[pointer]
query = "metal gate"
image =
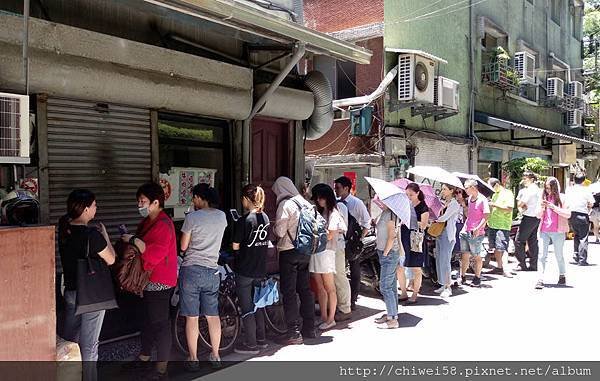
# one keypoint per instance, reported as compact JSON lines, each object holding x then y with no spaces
{"x":103,"y":147}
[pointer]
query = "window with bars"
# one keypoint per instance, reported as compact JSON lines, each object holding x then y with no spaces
{"x":14,"y":129}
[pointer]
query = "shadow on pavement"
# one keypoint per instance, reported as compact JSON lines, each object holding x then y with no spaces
{"x":426,"y":301}
{"x":407,"y":320}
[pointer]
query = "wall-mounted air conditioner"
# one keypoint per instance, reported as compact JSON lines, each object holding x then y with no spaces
{"x":445,"y":93}
{"x":525,"y":67}
{"x":555,"y":87}
{"x":415,"y":78}
{"x":574,"y":118}
{"x":575,"y":89}
{"x":14,"y":129}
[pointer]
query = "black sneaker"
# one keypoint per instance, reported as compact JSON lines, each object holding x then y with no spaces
{"x":353,"y":306}
{"x":291,"y":339}
{"x":562,"y":280}
{"x":244,"y":349}
{"x":463,"y":280}
{"x":476,"y":282}
{"x":497,"y":271}
{"x":262,"y":344}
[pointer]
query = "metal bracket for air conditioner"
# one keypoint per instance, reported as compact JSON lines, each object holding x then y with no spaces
{"x":426,"y":110}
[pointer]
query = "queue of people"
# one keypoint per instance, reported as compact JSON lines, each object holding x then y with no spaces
{"x":401,"y":249}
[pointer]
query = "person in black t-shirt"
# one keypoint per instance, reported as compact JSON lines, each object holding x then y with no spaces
{"x":250,"y":246}
{"x":76,"y":239}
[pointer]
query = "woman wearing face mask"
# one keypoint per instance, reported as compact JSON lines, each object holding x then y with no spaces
{"x":76,"y":240}
{"x":155,"y":238}
{"x":202,"y":234}
{"x":250,"y":244}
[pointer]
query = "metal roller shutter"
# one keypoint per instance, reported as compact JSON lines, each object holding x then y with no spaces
{"x":105,"y":148}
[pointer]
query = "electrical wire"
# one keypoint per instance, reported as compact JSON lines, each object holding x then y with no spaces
{"x":434,"y":14}
{"x":330,"y":144}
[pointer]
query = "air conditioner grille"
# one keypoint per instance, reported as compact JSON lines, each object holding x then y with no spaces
{"x":10,"y":127}
{"x":404,"y":77}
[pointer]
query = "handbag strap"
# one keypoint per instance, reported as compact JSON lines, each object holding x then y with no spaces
{"x":87,"y":254}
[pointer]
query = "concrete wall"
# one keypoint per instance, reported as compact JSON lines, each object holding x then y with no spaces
{"x":446,"y":34}
{"x":445,"y":37}
{"x":532,"y":24}
{"x":77,"y":63}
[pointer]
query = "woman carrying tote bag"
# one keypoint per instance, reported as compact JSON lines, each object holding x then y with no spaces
{"x":85,"y":254}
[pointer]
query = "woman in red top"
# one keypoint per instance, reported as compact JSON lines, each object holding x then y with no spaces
{"x":157,"y":242}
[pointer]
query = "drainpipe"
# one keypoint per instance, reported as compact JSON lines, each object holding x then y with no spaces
{"x":553,"y":56}
{"x":366,"y":99}
{"x":299,"y":50}
{"x":26,"y":45}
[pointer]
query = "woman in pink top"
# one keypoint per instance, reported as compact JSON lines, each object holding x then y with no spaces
{"x":554,"y":225}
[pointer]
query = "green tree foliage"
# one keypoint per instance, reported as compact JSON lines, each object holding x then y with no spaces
{"x":516,"y":167}
{"x":591,"y":38}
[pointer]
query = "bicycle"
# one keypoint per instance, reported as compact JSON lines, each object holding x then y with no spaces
{"x":229,"y":314}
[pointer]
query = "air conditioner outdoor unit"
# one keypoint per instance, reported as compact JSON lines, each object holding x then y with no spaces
{"x":14,"y":129}
{"x":555,"y":87}
{"x":445,"y":93}
{"x":415,"y":78}
{"x":575,"y":89}
{"x":525,"y":67}
{"x":574,"y":118}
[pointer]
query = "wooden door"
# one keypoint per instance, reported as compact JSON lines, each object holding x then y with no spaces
{"x":271,"y":157}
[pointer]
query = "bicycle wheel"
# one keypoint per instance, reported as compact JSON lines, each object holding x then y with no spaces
{"x":230,"y":328}
{"x":275,"y":318}
{"x":178,"y":330}
{"x":230,"y":325}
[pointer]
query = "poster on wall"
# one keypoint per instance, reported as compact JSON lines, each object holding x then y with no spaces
{"x":352,"y":177}
{"x":179,"y":183}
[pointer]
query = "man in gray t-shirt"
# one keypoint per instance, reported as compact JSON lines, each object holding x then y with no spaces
{"x":206,"y":228}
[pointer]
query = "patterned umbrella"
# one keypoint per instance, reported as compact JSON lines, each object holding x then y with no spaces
{"x":392,"y":197}
{"x":432,"y":201}
{"x":437,"y":174}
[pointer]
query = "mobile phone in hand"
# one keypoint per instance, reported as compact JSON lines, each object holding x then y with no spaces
{"x":123,"y":229}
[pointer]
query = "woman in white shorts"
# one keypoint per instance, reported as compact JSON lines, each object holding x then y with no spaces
{"x":322,"y":265}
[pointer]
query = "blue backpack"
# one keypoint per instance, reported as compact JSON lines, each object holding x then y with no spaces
{"x":311,"y":236}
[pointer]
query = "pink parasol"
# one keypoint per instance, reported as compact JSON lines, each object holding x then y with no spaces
{"x":432,"y":201}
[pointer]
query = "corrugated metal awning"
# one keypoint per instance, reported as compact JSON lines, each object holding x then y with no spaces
{"x":240,"y":15}
{"x":508,"y":125}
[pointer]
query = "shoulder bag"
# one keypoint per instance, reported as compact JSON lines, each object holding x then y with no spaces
{"x":128,"y":270}
{"x":95,"y":290}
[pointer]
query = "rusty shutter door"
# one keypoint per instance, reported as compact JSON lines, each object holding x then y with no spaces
{"x":105,"y":148}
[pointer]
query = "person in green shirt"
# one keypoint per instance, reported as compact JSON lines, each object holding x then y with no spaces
{"x":500,"y":223}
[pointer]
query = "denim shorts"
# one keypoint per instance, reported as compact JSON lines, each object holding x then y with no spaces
{"x":473,"y":245}
{"x":498,"y":239}
{"x":199,"y":291}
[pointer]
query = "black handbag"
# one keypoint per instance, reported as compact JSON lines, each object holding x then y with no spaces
{"x":95,"y":290}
